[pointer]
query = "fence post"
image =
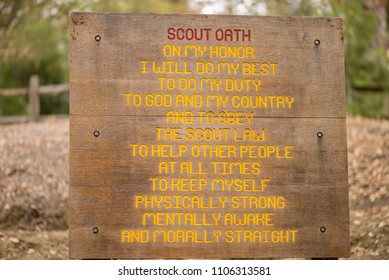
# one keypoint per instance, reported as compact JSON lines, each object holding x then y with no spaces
{"x":33,"y":98}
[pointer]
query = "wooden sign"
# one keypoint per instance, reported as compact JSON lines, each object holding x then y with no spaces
{"x":199,"y":136}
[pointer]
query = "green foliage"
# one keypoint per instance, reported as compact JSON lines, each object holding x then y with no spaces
{"x":36,"y":44}
{"x":367,"y":62}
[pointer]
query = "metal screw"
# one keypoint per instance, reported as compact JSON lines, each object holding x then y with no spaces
{"x":317,"y":42}
{"x":319,"y":134}
{"x":97,"y":38}
{"x":96,"y":133}
{"x":323,"y":229}
{"x":95,"y":230}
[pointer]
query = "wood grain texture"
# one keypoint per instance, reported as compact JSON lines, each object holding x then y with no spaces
{"x":293,"y":152}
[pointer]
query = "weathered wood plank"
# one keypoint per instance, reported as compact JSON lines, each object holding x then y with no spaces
{"x":305,"y":71}
{"x":312,"y":159}
{"x":312,"y":100}
{"x":302,"y":205}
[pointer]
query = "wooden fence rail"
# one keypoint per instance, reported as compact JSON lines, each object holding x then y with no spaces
{"x":33,"y":91}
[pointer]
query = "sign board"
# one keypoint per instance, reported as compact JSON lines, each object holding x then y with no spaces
{"x":199,"y":136}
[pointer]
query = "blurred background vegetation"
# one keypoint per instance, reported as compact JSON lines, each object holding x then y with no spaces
{"x":34,"y":40}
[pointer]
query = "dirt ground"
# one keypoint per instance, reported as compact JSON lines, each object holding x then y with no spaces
{"x":34,"y":165}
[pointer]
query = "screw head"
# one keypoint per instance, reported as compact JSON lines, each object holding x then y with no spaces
{"x":320,"y":134}
{"x":323,"y":229}
{"x":97,"y":38}
{"x":95,"y":230}
{"x":317,"y":42}
{"x":96,"y":133}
